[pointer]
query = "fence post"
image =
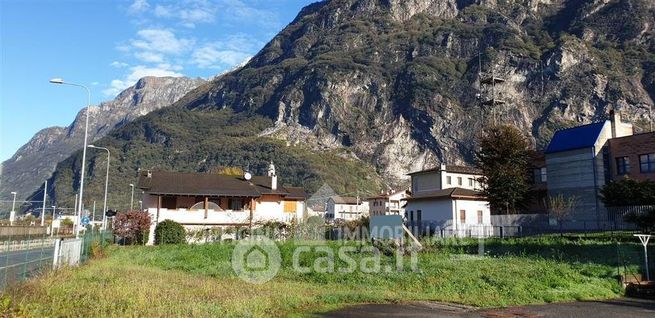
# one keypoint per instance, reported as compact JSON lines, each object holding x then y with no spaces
{"x":26,"y":251}
{"x":55,"y":258}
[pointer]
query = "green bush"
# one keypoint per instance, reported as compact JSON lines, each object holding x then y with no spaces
{"x":169,"y":232}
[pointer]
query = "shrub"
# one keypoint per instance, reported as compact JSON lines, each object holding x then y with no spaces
{"x":645,"y":221}
{"x":628,"y":192}
{"x":169,"y":232}
{"x":132,"y":226}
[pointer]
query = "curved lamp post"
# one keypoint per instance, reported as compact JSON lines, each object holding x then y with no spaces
{"x":86,"y":135}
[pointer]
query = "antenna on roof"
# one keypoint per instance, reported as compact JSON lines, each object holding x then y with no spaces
{"x":246,"y":174}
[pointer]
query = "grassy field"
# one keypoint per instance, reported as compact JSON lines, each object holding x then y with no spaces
{"x":199,"y":281}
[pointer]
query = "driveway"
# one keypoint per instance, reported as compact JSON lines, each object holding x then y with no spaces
{"x":625,"y":307}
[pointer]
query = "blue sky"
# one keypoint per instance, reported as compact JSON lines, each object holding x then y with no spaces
{"x":108,"y":45}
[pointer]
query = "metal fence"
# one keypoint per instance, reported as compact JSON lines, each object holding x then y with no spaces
{"x":29,"y":255}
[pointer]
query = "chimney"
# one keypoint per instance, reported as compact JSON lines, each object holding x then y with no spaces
{"x":619,"y":129}
{"x":273,"y":175}
{"x":615,"y":118}
{"x":271,"y":169}
{"x":442,"y":167}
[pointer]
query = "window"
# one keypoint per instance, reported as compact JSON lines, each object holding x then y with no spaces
{"x":471,"y":182}
{"x":480,"y":214}
{"x":540,"y":175}
{"x":462,"y":216}
{"x":419,"y":216}
{"x":449,"y":180}
{"x":647,"y":163}
{"x":622,"y":165}
{"x":459,"y":180}
{"x":236,"y":204}
{"x":290,"y":206}
{"x":411,"y":216}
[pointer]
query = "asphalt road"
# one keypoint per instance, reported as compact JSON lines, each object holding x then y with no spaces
{"x":626,"y":307}
{"x":17,"y":265}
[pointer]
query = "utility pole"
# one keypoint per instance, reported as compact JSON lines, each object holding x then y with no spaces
{"x":12,"y":214}
{"x":52,"y":223}
{"x":651,"y":118}
{"x":45,"y":195}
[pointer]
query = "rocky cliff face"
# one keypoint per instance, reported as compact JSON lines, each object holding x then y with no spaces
{"x":398,"y":86}
{"x":399,"y":82}
{"x":35,"y":161}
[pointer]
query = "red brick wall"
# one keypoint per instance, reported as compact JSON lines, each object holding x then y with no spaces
{"x":632,"y":147}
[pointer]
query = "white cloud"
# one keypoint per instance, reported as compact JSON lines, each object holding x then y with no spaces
{"x":189,"y":12}
{"x":237,"y":10}
{"x":210,"y":57}
{"x":161,"y":41}
{"x":139,"y":71}
{"x":150,"y":57}
{"x":163,"y":11}
{"x":118,"y":64}
{"x":138,"y":6}
{"x":228,"y":53}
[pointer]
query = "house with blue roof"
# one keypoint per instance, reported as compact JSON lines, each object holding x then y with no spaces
{"x":578,"y":164}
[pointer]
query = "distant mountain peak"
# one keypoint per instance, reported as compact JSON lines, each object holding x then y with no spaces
{"x":28,"y":167}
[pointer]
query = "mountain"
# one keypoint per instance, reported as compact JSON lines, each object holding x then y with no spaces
{"x":35,"y":161}
{"x":397,"y":86}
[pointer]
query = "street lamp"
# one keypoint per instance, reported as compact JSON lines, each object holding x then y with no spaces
{"x":132,"y":197}
{"x":12,"y":214}
{"x":104,"y":209}
{"x":86,"y":135}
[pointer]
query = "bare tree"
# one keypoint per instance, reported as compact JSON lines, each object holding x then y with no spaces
{"x":561,"y":208}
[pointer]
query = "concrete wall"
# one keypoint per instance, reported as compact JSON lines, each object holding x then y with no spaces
{"x":438,"y":212}
{"x":472,"y":207}
{"x":438,"y":180}
{"x":426,"y":182}
{"x":7,"y":231}
{"x":443,"y":211}
{"x":466,"y":181}
{"x":578,"y":173}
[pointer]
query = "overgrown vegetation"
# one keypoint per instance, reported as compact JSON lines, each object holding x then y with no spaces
{"x":197,"y":280}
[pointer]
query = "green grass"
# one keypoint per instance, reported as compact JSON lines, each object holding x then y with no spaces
{"x":198,"y":281}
